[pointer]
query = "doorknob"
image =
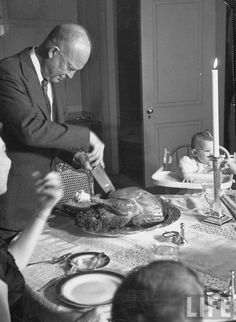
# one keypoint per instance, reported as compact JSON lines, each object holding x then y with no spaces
{"x":149,"y":111}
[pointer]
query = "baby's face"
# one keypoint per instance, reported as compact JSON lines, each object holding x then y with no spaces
{"x":203,"y":150}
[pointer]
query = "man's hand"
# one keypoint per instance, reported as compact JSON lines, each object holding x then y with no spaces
{"x":96,"y":154}
{"x":81,"y":159}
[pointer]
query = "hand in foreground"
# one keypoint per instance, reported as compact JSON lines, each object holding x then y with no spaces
{"x":49,"y":190}
{"x":100,"y":313}
{"x":96,"y":154}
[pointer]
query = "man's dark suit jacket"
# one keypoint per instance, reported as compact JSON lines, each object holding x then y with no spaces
{"x":31,"y":137}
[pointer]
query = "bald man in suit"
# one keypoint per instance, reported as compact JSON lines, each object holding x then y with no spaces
{"x":32,"y":111}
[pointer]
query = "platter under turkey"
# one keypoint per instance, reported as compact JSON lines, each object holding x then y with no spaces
{"x":123,"y":211}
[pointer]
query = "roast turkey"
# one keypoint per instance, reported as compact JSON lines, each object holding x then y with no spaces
{"x":130,"y":206}
{"x":150,"y":208}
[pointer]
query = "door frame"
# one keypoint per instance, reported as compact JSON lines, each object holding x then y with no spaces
{"x":98,"y":16}
{"x":110,"y":86}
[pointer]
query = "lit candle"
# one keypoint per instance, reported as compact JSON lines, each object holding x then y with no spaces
{"x":215,"y":109}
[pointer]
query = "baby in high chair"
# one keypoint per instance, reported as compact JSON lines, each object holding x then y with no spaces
{"x":199,"y":161}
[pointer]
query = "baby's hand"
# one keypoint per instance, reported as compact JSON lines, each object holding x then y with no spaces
{"x":188,"y":180}
{"x":49,"y":190}
{"x":185,"y":174}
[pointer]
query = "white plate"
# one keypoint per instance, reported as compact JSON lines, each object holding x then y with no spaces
{"x":171,"y":179}
{"x":89,"y":289}
{"x":83,"y":260}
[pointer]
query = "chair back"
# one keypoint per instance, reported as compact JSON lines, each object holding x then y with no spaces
{"x":171,"y":158}
{"x":74,"y":180}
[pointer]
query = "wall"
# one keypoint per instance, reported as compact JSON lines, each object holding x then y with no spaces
{"x":28,"y":22}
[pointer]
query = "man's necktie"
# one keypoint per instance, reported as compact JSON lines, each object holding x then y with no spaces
{"x":45,"y":92}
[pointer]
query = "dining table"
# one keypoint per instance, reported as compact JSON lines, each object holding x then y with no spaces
{"x":209,"y":249}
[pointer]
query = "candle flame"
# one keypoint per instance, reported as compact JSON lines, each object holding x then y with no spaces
{"x":215,"y":65}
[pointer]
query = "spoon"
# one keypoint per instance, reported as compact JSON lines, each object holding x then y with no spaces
{"x":54,"y":260}
{"x":94,"y":261}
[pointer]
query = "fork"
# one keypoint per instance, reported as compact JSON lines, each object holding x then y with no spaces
{"x":54,"y":260}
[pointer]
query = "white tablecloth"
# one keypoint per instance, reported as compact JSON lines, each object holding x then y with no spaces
{"x":210,"y":250}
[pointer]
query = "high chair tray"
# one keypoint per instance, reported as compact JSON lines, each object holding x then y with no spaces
{"x":171,"y":179}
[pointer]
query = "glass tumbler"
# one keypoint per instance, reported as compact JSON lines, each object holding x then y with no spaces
{"x":208,"y":193}
{"x":166,"y":251}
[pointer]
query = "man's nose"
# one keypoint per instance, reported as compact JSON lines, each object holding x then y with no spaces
{"x":70,"y":74}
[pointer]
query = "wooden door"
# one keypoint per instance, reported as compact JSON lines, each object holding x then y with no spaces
{"x":178,"y":41}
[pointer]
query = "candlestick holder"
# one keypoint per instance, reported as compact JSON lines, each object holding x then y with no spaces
{"x":217,"y":216}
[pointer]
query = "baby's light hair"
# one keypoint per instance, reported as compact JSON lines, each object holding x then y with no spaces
{"x":199,"y":137}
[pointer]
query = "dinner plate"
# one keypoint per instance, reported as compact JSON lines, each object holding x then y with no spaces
{"x":171,"y":214}
{"x":89,"y":289}
{"x":83,"y":260}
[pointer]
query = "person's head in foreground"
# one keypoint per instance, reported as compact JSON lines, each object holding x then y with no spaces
{"x":202,"y":146}
{"x":65,"y":50}
{"x":157,"y":292}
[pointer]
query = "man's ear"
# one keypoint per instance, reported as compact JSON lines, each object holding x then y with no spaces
{"x":52,"y":51}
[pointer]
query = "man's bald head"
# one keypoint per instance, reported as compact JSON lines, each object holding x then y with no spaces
{"x":65,"y":50}
{"x":67,"y":34}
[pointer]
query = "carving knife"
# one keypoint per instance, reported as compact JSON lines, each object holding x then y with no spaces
{"x":102,"y":178}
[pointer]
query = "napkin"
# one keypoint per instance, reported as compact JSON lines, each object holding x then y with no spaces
{"x":229,"y":200}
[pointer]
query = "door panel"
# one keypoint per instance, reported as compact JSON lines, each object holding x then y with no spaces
{"x":178,"y":49}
